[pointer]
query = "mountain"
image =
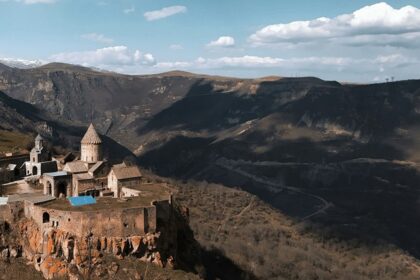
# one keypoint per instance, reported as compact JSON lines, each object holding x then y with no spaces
{"x":21,"y":63}
{"x":341,"y":157}
{"x":20,"y":121}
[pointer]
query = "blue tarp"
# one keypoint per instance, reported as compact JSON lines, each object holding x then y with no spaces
{"x":82,"y":200}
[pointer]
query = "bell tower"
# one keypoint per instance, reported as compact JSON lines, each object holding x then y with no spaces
{"x":91,"y":146}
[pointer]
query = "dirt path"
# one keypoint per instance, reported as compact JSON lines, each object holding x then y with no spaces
{"x":274,"y":187}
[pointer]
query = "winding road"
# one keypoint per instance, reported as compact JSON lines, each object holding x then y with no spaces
{"x":276,"y":188}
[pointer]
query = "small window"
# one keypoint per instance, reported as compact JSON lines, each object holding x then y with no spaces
{"x":45,"y":217}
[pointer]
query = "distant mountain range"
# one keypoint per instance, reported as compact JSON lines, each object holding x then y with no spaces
{"x":21,"y":63}
{"x":356,"y":146}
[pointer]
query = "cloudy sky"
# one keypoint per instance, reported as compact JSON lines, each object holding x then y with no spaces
{"x":358,"y":41}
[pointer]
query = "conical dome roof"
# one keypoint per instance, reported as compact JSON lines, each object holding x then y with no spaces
{"x":91,"y":136}
{"x":38,"y":138}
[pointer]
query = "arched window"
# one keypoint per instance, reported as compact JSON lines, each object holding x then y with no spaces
{"x":49,"y":188}
{"x":45,"y":217}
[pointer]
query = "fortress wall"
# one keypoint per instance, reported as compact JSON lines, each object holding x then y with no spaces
{"x":163,"y":212}
{"x":150,"y":218}
{"x":11,"y":212}
{"x":109,"y":222}
{"x":5,"y":213}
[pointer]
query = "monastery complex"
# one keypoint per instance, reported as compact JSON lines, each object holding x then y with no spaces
{"x":88,"y":194}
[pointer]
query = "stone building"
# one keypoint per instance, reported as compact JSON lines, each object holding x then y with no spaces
{"x":91,"y":148}
{"x":123,"y":176}
{"x":39,"y":160}
{"x":92,"y":175}
{"x":57,"y":184}
{"x":89,"y":173}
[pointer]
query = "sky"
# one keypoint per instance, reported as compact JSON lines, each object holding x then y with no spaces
{"x":354,"y":41}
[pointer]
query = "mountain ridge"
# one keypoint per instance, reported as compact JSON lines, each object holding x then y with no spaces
{"x":344,"y":158}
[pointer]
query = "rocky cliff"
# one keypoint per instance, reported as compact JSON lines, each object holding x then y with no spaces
{"x":59,"y":254}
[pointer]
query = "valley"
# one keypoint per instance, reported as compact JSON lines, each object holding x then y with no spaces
{"x":307,"y":170}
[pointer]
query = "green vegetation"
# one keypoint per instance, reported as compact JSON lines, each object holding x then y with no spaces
{"x":14,"y":141}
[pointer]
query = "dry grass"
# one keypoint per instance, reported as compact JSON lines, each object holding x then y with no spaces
{"x":13,"y":141}
{"x":272,"y":246}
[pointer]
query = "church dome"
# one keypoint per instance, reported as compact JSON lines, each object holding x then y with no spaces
{"x":91,"y":136}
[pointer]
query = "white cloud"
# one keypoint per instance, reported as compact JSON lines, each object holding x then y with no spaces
{"x":239,"y":61}
{"x":106,"y":58}
{"x":164,"y":12}
{"x":145,"y":59}
{"x":174,"y":65}
{"x":223,"y":41}
{"x":95,"y":37}
{"x":129,"y":10}
{"x":176,"y":47}
{"x":310,"y":64}
{"x":364,"y":26}
{"x":123,"y":60}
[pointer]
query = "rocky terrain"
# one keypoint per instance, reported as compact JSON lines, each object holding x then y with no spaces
{"x":58,"y":254}
{"x":340,"y":158}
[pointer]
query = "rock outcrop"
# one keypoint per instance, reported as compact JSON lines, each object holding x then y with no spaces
{"x":56,"y":253}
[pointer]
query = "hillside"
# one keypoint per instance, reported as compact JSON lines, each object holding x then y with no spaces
{"x":20,"y":122}
{"x":338,"y":158}
{"x":274,"y":246}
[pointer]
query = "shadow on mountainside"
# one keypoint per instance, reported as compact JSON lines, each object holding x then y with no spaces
{"x":356,"y":167}
{"x":203,"y":107}
{"x":371,"y":200}
{"x":70,"y":136}
{"x":210,"y":264}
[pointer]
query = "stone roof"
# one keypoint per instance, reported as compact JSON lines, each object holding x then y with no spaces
{"x":91,"y":136}
{"x":76,"y":167}
{"x":126,"y":172}
{"x":96,"y":166}
{"x":84,"y":176}
{"x":38,"y":138}
{"x":57,"y":174}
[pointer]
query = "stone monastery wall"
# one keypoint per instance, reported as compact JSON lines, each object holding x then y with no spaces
{"x":11,"y":212}
{"x":111,"y":222}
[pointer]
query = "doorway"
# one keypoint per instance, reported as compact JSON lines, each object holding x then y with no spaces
{"x":62,"y":189}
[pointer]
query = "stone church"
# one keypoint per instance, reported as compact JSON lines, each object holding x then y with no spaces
{"x":91,"y":174}
{"x":40,"y":160}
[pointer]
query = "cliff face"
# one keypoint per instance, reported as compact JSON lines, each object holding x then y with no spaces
{"x":57,"y":253}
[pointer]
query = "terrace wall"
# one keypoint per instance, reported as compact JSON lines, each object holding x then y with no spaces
{"x":108,"y":222}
